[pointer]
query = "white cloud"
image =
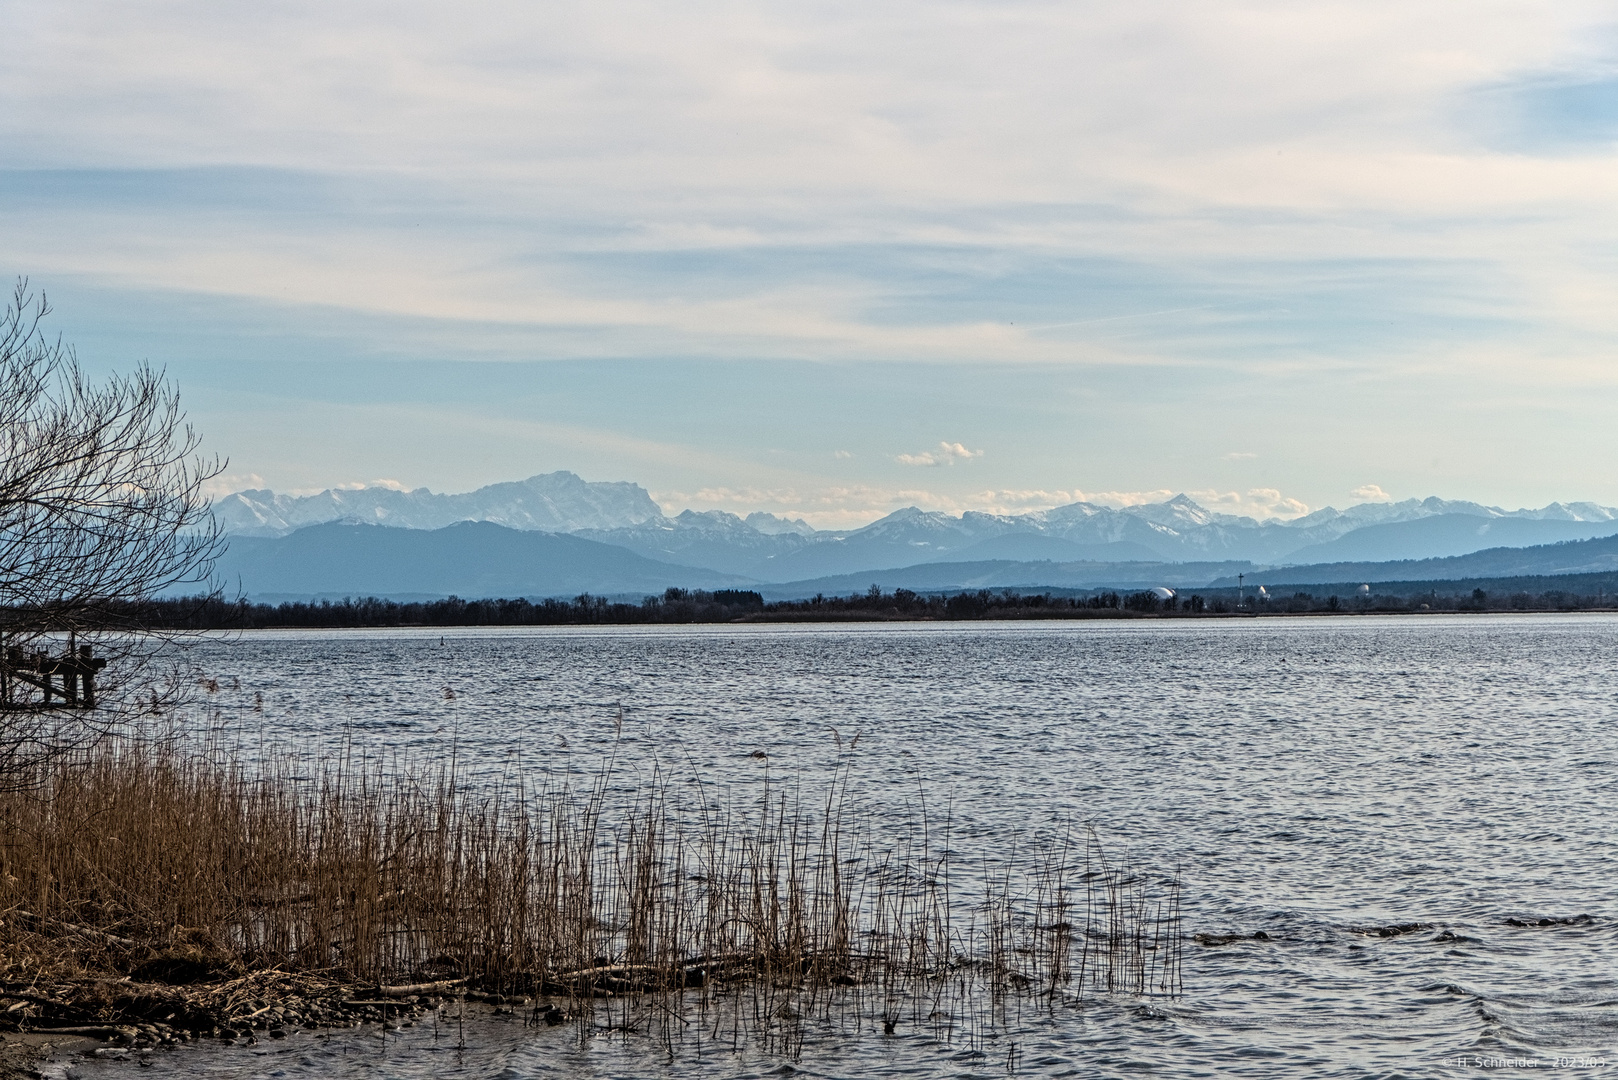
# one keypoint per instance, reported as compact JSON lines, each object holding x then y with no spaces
{"x":1119,"y":499}
{"x":837,"y":506}
{"x":947,"y":453}
{"x":1239,"y":455}
{"x":1260,"y":503}
{"x":832,"y":507}
{"x":1371,"y":493}
{"x":1017,"y":501}
{"x":229,"y":483}
{"x":357,"y":485}
{"x":851,"y":506}
{"x":842,"y":455}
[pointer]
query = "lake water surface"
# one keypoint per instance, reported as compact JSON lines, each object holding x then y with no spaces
{"x":1311,"y":777}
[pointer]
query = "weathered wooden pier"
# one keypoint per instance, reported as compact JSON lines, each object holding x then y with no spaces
{"x":63,"y":682}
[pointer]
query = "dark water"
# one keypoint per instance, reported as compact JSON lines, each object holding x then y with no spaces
{"x":1311,"y":777}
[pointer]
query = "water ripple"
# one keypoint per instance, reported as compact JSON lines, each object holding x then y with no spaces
{"x":1319,"y":780}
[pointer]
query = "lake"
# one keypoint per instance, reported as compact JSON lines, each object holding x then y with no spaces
{"x":1311,"y":778}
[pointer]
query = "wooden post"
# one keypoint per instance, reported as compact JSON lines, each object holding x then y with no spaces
{"x":87,"y":672}
{"x":70,"y":671}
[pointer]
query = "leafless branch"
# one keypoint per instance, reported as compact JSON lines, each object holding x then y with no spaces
{"x":101,"y":507}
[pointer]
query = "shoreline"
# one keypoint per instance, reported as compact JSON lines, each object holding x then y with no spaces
{"x":25,"y":1054}
{"x":869,"y":620}
{"x":22,"y":1053}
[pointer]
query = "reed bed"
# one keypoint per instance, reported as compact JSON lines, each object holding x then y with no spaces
{"x":667,"y":909}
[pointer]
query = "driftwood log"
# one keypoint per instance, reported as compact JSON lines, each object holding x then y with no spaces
{"x":443,"y":986}
{"x":638,"y":978}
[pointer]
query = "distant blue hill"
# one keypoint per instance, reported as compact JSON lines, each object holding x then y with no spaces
{"x":1005,"y":574}
{"x":1035,"y":547}
{"x":469,"y":559}
{"x":1571,"y":557}
{"x":1445,"y":535}
{"x":1594,"y":556}
{"x":483,"y":559}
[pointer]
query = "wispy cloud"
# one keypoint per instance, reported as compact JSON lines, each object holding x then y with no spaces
{"x":804,"y":129}
{"x":1020,"y":500}
{"x":1259,"y":503}
{"x":947,"y":453}
{"x":359,"y":485}
{"x":831,"y":507}
{"x":823,"y":183}
{"x":1119,"y":499}
{"x":851,"y":506}
{"x":1371,"y":493}
{"x":228,"y":483}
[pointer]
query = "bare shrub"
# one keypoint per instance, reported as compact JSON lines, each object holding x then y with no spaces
{"x":101,"y":509}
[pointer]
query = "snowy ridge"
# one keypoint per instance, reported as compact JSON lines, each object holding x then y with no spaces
{"x":764,"y":547}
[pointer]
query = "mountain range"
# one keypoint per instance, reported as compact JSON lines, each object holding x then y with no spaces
{"x":556,"y":533}
{"x":468,"y":558}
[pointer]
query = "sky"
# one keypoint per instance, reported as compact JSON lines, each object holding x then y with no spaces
{"x":830,"y":259}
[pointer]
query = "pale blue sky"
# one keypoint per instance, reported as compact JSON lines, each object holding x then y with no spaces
{"x":762,"y":256}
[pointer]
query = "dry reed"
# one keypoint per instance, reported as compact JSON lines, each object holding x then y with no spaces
{"x":724,"y":922}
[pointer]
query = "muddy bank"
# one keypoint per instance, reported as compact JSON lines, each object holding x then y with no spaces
{"x":23,"y":1054}
{"x":45,"y":1024}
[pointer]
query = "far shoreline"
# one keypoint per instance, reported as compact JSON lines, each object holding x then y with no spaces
{"x":872,"y":621}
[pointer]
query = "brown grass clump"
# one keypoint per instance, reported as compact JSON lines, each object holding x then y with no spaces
{"x":154,"y":863}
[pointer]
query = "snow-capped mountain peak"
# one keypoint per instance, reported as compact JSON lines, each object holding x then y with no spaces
{"x":771,"y":548}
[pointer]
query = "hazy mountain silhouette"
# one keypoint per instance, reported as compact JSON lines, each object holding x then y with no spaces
{"x":1598,"y":555}
{"x":468,"y":559}
{"x":1446,"y":535}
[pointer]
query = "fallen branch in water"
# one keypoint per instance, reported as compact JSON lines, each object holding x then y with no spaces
{"x":418,"y":989}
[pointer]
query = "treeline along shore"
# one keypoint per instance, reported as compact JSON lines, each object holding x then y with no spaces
{"x":1595,"y":592}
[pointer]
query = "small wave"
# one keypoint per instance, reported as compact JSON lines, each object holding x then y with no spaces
{"x":1573,"y":920}
{"x":1451,"y":989}
{"x":1391,"y":930}
{"x":1216,"y":940}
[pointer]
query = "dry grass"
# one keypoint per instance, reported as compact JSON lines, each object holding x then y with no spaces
{"x":160,"y":859}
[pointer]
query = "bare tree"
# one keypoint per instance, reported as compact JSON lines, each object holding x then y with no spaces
{"x":101,"y":508}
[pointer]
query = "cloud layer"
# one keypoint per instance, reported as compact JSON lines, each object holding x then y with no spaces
{"x":1107,"y":240}
{"x":851,"y":507}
